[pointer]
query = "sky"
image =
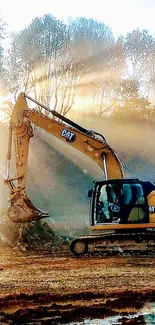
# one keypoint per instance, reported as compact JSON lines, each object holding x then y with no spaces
{"x":121,"y":15}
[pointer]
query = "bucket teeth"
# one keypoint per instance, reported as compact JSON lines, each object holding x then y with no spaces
{"x":23,"y":210}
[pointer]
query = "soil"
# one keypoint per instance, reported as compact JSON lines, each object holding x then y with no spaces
{"x":52,"y":288}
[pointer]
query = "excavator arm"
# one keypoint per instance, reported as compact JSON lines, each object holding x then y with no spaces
{"x":88,"y":142}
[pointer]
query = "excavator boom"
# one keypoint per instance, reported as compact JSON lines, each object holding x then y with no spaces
{"x":123,"y":207}
{"x":88,"y":142}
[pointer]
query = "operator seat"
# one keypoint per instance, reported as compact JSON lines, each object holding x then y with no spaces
{"x":127,"y":194}
{"x":137,"y":213}
{"x":126,"y":203}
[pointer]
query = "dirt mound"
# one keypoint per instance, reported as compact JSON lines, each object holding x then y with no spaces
{"x":38,"y":236}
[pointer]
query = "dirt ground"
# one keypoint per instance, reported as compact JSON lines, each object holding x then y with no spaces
{"x":44,"y":288}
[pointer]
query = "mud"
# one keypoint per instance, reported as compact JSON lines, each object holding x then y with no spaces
{"x":44,"y":287}
{"x":59,"y":288}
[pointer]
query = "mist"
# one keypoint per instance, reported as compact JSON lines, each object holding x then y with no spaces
{"x":65,"y":174}
{"x":59,"y":176}
{"x":133,"y":141}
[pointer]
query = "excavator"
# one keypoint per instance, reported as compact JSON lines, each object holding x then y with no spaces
{"x":121,"y":210}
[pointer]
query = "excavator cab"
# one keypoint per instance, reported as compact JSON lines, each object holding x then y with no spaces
{"x":120,"y":201}
{"x":117,"y":204}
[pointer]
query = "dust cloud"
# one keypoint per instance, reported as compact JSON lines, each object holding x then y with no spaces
{"x":59,"y":176}
{"x":63,"y":175}
{"x":55,"y":184}
{"x":134,"y":142}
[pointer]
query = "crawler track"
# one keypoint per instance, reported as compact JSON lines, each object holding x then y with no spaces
{"x":116,"y":243}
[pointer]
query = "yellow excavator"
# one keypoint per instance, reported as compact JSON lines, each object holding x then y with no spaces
{"x":120,"y":209}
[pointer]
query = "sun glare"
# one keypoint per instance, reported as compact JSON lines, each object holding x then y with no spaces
{"x":82,"y":103}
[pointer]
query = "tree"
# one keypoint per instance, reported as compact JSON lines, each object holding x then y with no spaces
{"x":139,"y":51}
{"x":43,"y":61}
{"x":100,"y":61}
{"x":55,"y":63}
{"x":131,"y":106}
{"x":2,"y":70}
{"x":32,"y":49}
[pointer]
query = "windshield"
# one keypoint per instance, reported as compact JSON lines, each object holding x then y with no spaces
{"x":120,"y":203}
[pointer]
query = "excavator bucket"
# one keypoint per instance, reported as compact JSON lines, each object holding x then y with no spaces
{"x":23,"y":210}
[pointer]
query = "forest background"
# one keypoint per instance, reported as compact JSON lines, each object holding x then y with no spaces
{"x":82,"y":71}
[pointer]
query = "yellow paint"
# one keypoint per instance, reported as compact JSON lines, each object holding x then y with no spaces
{"x":21,"y":120}
{"x":123,"y":226}
{"x":151,"y":203}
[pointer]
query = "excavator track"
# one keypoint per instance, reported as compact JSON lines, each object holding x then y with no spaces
{"x":115,"y":244}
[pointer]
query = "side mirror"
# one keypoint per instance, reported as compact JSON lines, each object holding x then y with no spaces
{"x":90,"y":192}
